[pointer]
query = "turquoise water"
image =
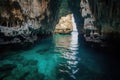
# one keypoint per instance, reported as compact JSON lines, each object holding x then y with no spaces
{"x":60,"y":57}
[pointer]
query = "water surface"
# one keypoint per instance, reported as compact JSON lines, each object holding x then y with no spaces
{"x":59,"y":57}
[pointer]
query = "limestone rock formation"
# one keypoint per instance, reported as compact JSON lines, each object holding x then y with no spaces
{"x":91,"y":33}
{"x":65,"y":25}
{"x":107,"y":14}
{"x":23,"y":20}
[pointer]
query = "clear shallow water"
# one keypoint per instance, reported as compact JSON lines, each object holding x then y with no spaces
{"x":61,"y":57}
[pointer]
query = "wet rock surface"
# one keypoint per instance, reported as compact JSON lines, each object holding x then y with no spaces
{"x":107,"y":15}
{"x":23,"y":21}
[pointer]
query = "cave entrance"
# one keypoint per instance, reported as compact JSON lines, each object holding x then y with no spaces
{"x":76,"y":11}
{"x":67,"y":11}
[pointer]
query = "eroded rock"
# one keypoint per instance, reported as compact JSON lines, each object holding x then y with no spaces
{"x":26,"y":19}
{"x":65,"y":25}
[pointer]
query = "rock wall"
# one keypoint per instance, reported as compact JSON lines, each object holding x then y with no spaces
{"x":65,"y":25}
{"x":23,"y":21}
{"x":107,"y":14}
{"x":76,"y":10}
{"x":91,"y":33}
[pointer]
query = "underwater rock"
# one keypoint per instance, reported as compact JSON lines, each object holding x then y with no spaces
{"x":24,"y":76}
{"x":19,"y":68}
{"x":42,"y":51}
{"x":7,"y":67}
{"x":29,"y":63}
{"x":61,"y":79}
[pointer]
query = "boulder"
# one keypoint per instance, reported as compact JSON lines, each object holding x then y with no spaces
{"x":65,"y":25}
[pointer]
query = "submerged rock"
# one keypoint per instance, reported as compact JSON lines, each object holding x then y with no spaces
{"x":7,"y":67}
{"x":19,"y":68}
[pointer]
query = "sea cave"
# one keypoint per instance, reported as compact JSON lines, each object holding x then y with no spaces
{"x":59,"y":39}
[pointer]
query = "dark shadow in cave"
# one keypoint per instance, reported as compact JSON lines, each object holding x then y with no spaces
{"x":75,"y":8}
